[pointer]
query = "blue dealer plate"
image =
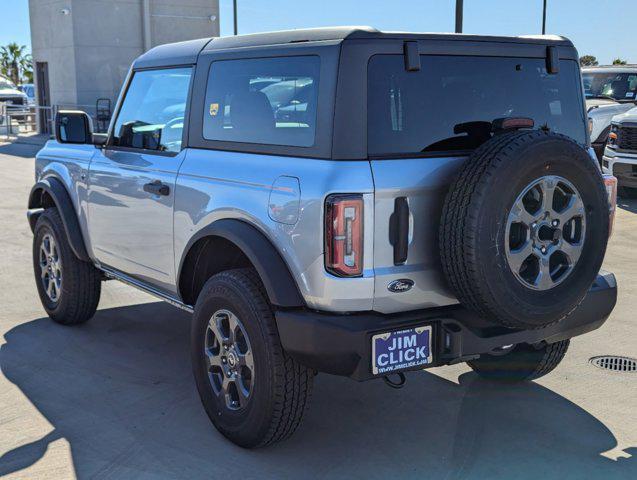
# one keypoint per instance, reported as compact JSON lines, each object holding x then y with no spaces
{"x":401,"y":349}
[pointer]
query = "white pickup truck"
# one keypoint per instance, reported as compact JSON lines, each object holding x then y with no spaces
{"x":610,"y":91}
{"x":620,"y":155}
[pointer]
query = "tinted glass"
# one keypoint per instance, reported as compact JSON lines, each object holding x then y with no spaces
{"x":267,"y":100}
{"x":152,"y":115}
{"x":450,"y":102}
{"x":619,"y":86}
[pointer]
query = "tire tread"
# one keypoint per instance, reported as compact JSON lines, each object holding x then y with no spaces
{"x":82,"y":282}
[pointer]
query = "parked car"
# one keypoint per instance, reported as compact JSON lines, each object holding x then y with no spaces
{"x":12,"y":99}
{"x":620,"y":155}
{"x":29,"y":90}
{"x":610,"y":90}
{"x":438,"y":203}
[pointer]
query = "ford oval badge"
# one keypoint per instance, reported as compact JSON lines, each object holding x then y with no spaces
{"x":400,"y":285}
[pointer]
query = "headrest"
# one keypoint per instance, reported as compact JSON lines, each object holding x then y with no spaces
{"x":251,"y":111}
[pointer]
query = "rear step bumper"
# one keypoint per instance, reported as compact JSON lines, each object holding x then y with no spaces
{"x":341,"y":344}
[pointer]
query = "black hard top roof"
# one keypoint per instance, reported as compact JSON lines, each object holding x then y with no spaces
{"x":186,"y":52}
{"x":364,"y":33}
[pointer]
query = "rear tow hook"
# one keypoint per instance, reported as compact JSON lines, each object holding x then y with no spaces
{"x":399,"y":384}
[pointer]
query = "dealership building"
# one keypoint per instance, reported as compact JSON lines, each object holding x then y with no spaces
{"x":82,"y":49}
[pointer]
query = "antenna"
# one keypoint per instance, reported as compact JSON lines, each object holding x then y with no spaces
{"x":459,"y":11}
{"x":544,"y":19}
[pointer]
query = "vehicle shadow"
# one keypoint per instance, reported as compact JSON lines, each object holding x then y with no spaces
{"x":25,"y":150}
{"x":629,"y":204}
{"x":119,"y":390}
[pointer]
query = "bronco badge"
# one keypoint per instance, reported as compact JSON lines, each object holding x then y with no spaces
{"x":401,"y":285}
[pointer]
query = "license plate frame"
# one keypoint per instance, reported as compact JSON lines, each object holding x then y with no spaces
{"x":399,"y":362}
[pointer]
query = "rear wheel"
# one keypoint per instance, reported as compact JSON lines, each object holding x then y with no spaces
{"x":522,"y":363}
{"x":69,"y":288}
{"x":253,"y":391}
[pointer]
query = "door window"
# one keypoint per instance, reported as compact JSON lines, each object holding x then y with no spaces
{"x":265,"y":100}
{"x":152,"y":114}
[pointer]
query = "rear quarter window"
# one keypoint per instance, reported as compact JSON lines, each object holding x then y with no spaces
{"x":264,"y":101}
{"x":449,"y":104}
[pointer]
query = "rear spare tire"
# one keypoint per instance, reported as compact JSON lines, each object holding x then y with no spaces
{"x":524,"y":228}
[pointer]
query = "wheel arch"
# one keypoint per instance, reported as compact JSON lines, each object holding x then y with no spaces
{"x":232,"y":243}
{"x":51,"y":192}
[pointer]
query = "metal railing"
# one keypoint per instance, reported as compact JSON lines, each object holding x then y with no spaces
{"x":21,"y":120}
{"x":28,"y":120}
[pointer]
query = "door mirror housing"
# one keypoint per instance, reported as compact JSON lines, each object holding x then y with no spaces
{"x":100,"y":139}
{"x":73,"y":126}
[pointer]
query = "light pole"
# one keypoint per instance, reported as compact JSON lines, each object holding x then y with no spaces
{"x":234,"y":16}
{"x":544,"y":19}
{"x":459,"y":8}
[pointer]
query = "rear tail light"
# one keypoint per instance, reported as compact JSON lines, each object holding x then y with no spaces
{"x":344,"y":235}
{"x":611,"y":188}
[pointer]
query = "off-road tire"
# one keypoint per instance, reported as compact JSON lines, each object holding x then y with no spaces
{"x":523,"y":363}
{"x":474,"y":221}
{"x":282,"y":387}
{"x":81,"y":281}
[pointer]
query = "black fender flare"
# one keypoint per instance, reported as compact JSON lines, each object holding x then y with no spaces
{"x":54,"y":188}
{"x":279,"y":283}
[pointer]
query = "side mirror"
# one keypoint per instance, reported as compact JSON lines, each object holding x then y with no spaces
{"x":100,"y":139}
{"x":73,"y":126}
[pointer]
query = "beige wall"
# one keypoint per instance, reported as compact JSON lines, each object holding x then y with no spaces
{"x":90,"y":44}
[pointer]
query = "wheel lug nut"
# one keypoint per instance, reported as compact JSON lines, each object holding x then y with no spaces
{"x":543,"y":249}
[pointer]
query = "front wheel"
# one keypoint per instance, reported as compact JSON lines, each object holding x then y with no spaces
{"x":523,"y":363}
{"x":254,"y":393}
{"x":69,"y":288}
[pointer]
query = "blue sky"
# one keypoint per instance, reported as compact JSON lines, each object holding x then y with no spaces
{"x":604,"y":28}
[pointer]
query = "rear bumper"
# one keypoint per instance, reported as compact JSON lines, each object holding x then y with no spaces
{"x":341,"y":344}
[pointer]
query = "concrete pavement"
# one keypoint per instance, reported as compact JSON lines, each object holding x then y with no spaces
{"x":115,"y":398}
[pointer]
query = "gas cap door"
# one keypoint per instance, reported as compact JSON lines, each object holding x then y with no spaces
{"x":283,"y":203}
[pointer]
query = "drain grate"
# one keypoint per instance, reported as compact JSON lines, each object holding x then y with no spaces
{"x":615,"y":363}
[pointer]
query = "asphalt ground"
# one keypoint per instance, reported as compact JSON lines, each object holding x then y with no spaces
{"x":114,"y":398}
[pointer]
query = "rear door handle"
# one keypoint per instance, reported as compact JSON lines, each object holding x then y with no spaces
{"x":157,"y":188}
{"x":399,"y":230}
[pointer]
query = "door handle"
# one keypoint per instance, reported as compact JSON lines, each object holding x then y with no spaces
{"x":157,"y":188}
{"x":399,"y":230}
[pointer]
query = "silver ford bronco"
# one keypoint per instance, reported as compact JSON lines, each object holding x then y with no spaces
{"x":340,"y":200}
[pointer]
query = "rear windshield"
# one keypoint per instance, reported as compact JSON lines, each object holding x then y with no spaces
{"x":450,"y":103}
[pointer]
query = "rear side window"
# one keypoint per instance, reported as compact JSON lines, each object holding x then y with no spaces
{"x":449,"y":104}
{"x":152,"y":113}
{"x":265,"y":100}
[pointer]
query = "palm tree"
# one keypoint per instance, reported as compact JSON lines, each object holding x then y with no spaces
{"x":15,"y":63}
